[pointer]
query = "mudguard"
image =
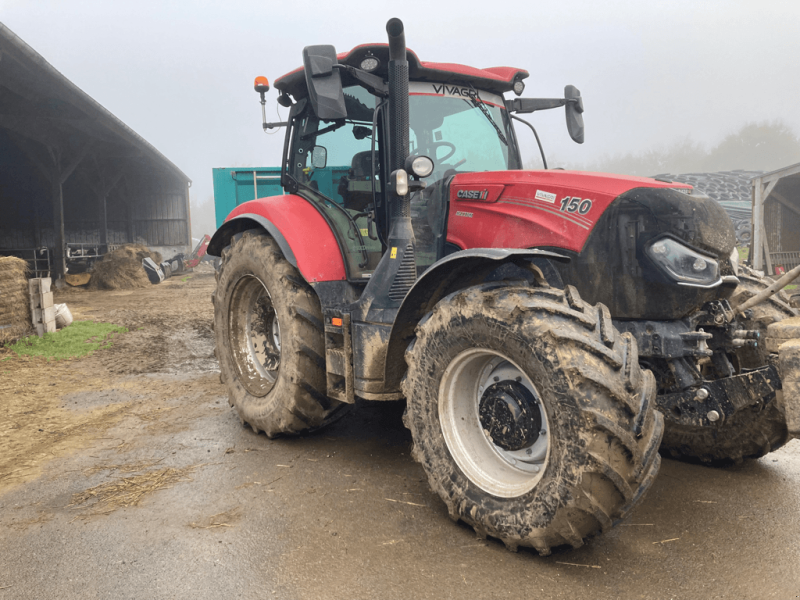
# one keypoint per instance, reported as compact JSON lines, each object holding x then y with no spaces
{"x":454,"y":272}
{"x":302,"y":233}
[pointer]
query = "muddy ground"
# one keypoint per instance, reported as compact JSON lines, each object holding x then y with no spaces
{"x":126,"y":475}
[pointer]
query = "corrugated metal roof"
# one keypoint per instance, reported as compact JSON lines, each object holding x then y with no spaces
{"x":38,"y":100}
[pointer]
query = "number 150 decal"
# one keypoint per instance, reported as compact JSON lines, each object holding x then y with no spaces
{"x":577,"y":205}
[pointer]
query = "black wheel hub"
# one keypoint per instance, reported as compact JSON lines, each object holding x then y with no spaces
{"x":509,"y":415}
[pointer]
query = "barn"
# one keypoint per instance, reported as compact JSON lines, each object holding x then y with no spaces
{"x":75,"y":181}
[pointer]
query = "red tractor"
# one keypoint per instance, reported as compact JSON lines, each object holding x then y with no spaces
{"x":542,"y":325}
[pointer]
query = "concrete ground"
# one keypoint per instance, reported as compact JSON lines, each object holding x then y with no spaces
{"x":126,"y":475}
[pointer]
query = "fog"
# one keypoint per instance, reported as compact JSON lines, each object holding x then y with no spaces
{"x":652,"y":74}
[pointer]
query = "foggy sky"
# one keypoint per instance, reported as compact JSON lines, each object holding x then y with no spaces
{"x":180,"y":73}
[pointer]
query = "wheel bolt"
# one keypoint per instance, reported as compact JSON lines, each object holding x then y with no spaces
{"x":543,"y":432}
{"x":529,"y":451}
{"x":713,"y":416}
{"x":702,"y":394}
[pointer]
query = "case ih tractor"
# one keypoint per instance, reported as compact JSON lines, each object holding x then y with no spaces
{"x":545,"y":327}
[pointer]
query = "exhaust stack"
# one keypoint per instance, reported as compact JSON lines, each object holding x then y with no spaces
{"x":397,"y":271}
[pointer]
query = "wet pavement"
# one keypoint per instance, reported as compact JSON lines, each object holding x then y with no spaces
{"x":343,"y":513}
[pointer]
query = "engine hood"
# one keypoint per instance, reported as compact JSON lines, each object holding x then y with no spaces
{"x":524,"y":209}
{"x":605,"y":222}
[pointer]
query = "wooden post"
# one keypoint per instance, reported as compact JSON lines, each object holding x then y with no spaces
{"x":756,"y":241}
{"x":767,"y":260}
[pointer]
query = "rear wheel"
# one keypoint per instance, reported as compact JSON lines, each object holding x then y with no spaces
{"x":750,"y":433}
{"x":530,"y":414}
{"x":269,"y":339}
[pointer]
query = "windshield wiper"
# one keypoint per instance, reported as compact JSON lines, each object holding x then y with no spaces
{"x":478,"y":103}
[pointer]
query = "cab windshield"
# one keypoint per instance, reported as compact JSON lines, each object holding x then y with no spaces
{"x":462,"y":130}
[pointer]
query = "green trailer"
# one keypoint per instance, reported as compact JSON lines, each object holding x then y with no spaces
{"x":236,"y":185}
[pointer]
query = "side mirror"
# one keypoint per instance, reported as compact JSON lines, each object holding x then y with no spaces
{"x":324,"y":82}
{"x":574,"y":109}
{"x":319,"y":157}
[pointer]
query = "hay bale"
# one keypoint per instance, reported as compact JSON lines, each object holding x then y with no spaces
{"x":121,"y":269}
{"x":137,"y":251}
{"x":15,"y":303}
{"x":77,"y":279}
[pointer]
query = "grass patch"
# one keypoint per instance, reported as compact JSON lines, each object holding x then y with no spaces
{"x":744,"y":253}
{"x":79,"y":339}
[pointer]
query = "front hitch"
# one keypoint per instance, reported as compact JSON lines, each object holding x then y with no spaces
{"x":716,"y":401}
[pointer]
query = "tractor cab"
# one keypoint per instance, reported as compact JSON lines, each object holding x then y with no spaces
{"x":457,"y":118}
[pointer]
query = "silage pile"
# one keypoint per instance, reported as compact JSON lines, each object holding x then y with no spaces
{"x":15,"y":304}
{"x":121,"y":269}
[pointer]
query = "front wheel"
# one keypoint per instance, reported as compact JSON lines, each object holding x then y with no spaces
{"x":530,"y":414}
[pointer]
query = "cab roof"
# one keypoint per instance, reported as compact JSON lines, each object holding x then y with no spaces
{"x":495,"y":79}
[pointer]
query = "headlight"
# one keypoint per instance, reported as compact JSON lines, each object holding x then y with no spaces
{"x":683,"y":264}
{"x":420,"y":166}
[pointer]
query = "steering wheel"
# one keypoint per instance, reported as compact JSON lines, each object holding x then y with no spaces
{"x":448,"y":145}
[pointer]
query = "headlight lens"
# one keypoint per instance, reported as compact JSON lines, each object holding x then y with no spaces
{"x":370,"y":63}
{"x":422,"y":166}
{"x":684,"y":264}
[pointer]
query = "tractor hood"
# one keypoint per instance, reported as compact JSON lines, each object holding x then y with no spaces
{"x":546,"y":208}
{"x":609,"y":224}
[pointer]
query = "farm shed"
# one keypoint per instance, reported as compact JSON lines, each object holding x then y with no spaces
{"x":74,"y":179}
{"x":776,"y":220}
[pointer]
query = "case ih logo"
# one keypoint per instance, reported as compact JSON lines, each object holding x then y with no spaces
{"x":472,"y":194}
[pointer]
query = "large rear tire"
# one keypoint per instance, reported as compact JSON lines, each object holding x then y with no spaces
{"x":750,"y":433}
{"x":530,"y":414}
{"x":270,"y":339}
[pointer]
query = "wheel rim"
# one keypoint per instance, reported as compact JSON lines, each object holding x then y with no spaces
{"x":488,"y":408}
{"x":255,"y":335}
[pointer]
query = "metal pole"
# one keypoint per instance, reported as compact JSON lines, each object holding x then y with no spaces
{"x":59,"y":260}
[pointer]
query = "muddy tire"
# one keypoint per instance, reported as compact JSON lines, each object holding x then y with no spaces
{"x":550,"y":361}
{"x":755,"y":431}
{"x":270,"y":341}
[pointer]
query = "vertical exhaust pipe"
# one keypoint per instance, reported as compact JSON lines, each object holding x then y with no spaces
{"x":401,"y":235}
{"x":398,"y":97}
{"x":397,"y":270}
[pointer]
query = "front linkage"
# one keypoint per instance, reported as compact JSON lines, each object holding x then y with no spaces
{"x":722,"y":373}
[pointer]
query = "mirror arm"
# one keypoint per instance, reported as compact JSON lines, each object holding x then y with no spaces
{"x":373,"y":83}
{"x":275,"y":125}
{"x":529,"y":105}
{"x":536,"y":135}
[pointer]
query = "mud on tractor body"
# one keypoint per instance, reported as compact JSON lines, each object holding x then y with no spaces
{"x":546,"y":327}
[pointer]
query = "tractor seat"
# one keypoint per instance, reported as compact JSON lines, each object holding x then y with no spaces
{"x":360,"y":167}
{"x":356,"y":188}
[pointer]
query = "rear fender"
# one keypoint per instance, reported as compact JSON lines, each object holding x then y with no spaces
{"x":454,"y":272}
{"x":301,"y":232}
